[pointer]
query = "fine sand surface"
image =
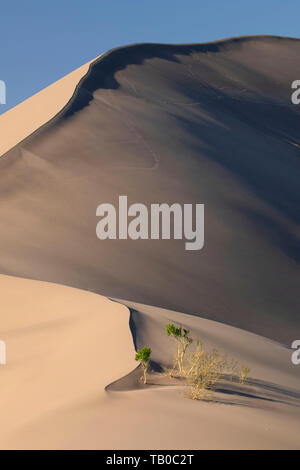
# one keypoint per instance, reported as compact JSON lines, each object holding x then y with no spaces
{"x":203,"y":123}
{"x":65,"y":346}
{"x":25,"y":118}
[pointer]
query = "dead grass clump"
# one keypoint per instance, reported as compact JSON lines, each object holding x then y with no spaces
{"x":206,"y":368}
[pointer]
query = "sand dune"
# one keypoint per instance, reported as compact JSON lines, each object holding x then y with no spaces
{"x":270,"y":361}
{"x":63,"y":347}
{"x":203,"y":123}
{"x":66,"y":346}
{"x":24,"y":119}
{"x":209,"y":123}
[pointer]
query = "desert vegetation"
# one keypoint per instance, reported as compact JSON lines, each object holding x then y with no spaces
{"x":205,"y":369}
{"x":143,"y":356}
{"x":201,"y":369}
{"x":244,"y":372}
{"x":183,"y":340}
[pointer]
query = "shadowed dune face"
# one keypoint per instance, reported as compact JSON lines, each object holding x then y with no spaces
{"x":210,"y":124}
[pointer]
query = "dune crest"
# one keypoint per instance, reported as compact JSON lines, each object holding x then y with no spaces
{"x":201,"y":123}
{"x":22,"y":120}
{"x":64,"y":346}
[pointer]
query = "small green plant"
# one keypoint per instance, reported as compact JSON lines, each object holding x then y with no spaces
{"x":183,"y":341}
{"x":244,"y":373}
{"x":143,"y":356}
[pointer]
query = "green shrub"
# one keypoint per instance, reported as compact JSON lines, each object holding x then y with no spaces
{"x":181,"y":335}
{"x":143,"y":356}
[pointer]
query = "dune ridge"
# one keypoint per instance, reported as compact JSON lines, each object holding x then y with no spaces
{"x":41,"y":107}
{"x":210,"y":123}
{"x":65,"y":347}
{"x":57,"y":342}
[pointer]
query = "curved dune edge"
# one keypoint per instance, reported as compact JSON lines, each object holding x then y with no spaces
{"x":65,"y":345}
{"x":41,"y":108}
{"x":261,"y":414}
{"x":247,"y":288}
{"x":22,"y":120}
{"x":53,"y":385}
{"x":270,"y":362}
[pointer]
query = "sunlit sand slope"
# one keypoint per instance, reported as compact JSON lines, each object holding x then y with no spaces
{"x":67,"y":350}
{"x":208,"y":123}
{"x":63,"y":347}
{"x":21,"y":121}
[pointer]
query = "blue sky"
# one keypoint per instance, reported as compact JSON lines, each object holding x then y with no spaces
{"x":43,"y":40}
